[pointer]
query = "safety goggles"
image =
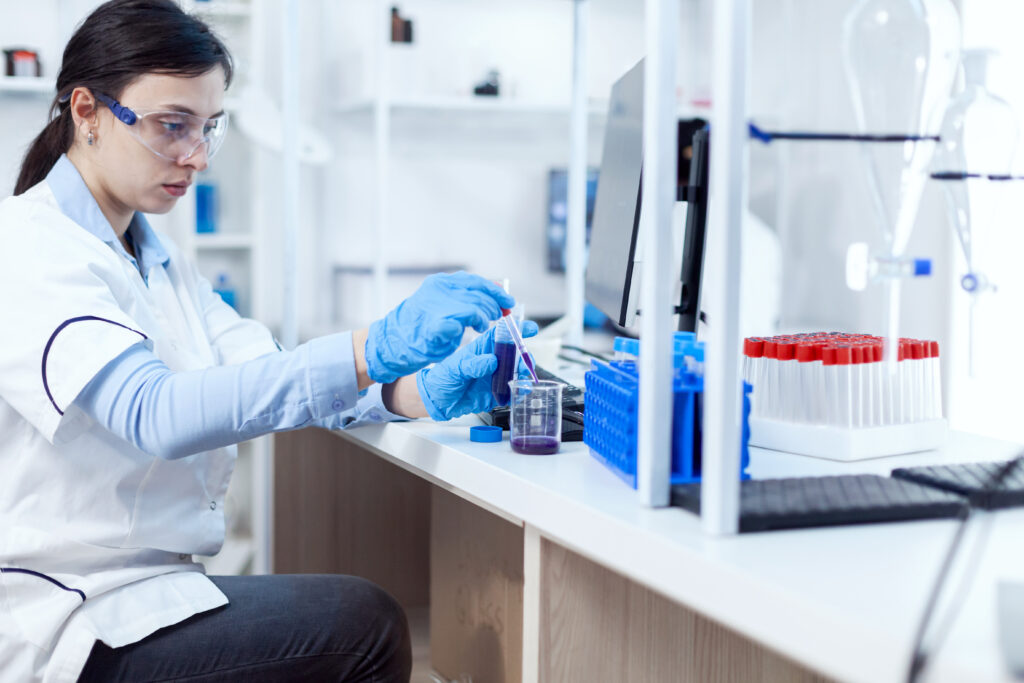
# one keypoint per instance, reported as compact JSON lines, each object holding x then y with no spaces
{"x":171,"y":135}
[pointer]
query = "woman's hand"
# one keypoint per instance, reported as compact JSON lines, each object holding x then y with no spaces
{"x":461,"y":384}
{"x":427,"y":327}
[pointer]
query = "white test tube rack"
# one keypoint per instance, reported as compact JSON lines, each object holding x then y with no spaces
{"x":830,"y":396}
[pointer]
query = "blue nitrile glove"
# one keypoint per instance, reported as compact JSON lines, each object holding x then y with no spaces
{"x":461,"y":384}
{"x":427,"y":327}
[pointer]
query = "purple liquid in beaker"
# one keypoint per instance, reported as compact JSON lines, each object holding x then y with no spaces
{"x":506,"y":353}
{"x":535,"y":445}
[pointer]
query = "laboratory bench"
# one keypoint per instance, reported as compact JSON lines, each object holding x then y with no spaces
{"x":547,"y":568}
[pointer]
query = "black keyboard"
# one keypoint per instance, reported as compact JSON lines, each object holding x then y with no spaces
{"x":971,"y":480}
{"x":571,"y":393}
{"x":798,"y":502}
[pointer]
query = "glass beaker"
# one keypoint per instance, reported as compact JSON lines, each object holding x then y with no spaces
{"x":536,"y":416}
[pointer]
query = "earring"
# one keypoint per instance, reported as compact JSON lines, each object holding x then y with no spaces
{"x":89,"y":141}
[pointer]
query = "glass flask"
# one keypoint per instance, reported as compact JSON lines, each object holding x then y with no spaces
{"x":979,"y":139}
{"x":900,"y":58}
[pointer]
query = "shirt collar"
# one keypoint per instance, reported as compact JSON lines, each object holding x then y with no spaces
{"x":78,"y":204}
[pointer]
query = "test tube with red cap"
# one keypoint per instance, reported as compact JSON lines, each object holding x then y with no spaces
{"x":838,"y":379}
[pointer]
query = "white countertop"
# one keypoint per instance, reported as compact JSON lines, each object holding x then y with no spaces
{"x":845,"y":601}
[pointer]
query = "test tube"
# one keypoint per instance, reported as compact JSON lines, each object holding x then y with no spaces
{"x":505,"y":350}
{"x":513,"y":330}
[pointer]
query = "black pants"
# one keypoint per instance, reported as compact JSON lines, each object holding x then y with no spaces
{"x":276,"y":628}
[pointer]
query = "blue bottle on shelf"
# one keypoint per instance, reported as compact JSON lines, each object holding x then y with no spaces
{"x":226,"y":291}
{"x":206,"y":208}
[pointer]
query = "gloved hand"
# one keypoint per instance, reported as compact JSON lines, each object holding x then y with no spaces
{"x":427,"y":327}
{"x":461,"y":384}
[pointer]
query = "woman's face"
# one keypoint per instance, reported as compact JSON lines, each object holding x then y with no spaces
{"x":133,"y":176}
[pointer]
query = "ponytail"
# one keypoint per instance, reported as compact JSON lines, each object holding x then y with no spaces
{"x":46,"y":149}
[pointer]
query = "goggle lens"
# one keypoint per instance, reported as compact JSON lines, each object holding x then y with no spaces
{"x":178,"y":136}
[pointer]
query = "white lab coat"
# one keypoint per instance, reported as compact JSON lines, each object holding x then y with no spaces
{"x":96,"y":537}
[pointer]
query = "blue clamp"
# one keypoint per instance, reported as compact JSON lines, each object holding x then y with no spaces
{"x":922,"y":266}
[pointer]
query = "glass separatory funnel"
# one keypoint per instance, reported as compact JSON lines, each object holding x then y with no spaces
{"x":973,"y":162}
{"x":901,"y":58}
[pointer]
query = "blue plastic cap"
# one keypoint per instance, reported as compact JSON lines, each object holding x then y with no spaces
{"x":627,"y":345}
{"x":922,"y":266}
{"x":682,"y":342}
{"x":485,"y":434}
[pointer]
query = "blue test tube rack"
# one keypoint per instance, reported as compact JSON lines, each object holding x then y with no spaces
{"x":610,"y":419}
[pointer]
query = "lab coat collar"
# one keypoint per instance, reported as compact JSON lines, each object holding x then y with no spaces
{"x":78,"y":204}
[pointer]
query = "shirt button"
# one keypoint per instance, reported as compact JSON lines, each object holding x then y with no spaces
{"x":213,"y":505}
{"x":338,"y":404}
{"x":374,"y":415}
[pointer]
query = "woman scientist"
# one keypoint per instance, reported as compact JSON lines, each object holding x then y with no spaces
{"x":125,"y":381}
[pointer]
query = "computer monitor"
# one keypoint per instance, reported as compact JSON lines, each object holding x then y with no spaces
{"x":613,"y":269}
{"x":696,"y":196}
{"x":610,"y":267}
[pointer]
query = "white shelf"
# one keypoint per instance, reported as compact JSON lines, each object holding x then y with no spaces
{"x":473,"y":104}
{"x":444,"y":104}
{"x":27,"y":84}
{"x":223,"y":240}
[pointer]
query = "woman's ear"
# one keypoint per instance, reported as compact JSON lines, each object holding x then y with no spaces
{"x":83,"y":108}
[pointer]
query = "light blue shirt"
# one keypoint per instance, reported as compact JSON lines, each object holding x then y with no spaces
{"x":173,"y":414}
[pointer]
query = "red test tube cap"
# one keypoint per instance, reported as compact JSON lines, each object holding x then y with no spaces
{"x":844,"y":355}
{"x":805,"y":352}
{"x":828,"y":355}
{"x":753,"y":347}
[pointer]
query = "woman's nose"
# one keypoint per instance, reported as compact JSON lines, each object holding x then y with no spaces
{"x":197,"y":158}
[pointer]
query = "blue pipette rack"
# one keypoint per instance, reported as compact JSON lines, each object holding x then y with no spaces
{"x":610,"y":420}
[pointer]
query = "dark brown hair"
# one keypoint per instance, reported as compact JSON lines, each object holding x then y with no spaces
{"x":120,"y":41}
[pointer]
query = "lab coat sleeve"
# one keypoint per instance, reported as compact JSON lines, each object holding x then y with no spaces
{"x":369,"y":410}
{"x":59,"y":303}
{"x":234,"y":338}
{"x":175,"y":414}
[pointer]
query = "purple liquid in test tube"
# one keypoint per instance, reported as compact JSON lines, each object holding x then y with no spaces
{"x":506,"y":353}
{"x":521,"y":345}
